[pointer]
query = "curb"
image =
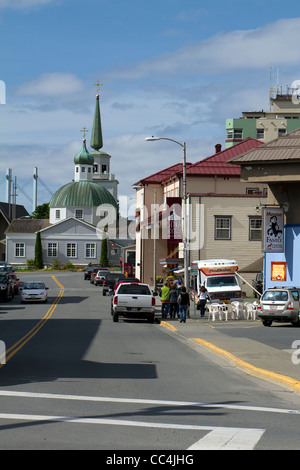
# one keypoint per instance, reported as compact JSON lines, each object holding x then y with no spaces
{"x":250,"y":369}
{"x":270,"y":376}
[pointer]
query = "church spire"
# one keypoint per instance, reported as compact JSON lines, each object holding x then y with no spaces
{"x":96,"y":138}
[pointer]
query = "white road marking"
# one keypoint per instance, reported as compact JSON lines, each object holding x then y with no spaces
{"x":229,"y":439}
{"x":217,"y":439}
{"x":55,"y":396}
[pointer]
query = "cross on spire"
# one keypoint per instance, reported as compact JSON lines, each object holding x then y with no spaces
{"x":98,"y":84}
{"x":85,"y":131}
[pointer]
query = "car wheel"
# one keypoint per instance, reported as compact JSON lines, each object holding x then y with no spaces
{"x":267,"y":322}
{"x":115,"y":317}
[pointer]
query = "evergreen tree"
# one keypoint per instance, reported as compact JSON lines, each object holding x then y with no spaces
{"x":104,"y":250}
{"x":38,"y":261}
{"x":41,"y":212}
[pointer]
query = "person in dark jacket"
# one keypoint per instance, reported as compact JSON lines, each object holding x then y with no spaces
{"x":184,"y":302}
{"x":173,"y":295}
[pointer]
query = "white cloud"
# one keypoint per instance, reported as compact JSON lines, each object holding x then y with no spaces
{"x":51,"y":85}
{"x":275,"y":43}
{"x":23,"y":4}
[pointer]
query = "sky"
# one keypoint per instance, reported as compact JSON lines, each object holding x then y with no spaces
{"x":167,"y":68}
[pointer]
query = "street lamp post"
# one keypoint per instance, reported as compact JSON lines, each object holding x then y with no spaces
{"x":184,"y":197}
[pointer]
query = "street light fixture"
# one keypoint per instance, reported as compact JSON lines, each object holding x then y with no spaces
{"x":184,"y":197}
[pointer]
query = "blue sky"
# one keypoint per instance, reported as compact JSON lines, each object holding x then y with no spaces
{"x":168,"y":68}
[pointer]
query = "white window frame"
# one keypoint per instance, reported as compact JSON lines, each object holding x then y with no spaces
{"x":78,"y":214}
{"x":253,"y":229}
{"x":222,"y":224}
{"x":90,"y":250}
{"x":20,"y":250}
{"x":71,"y":250}
{"x":52,"y":249}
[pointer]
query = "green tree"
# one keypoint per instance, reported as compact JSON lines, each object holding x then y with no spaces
{"x":104,"y":250}
{"x":38,"y":260}
{"x":41,"y":212}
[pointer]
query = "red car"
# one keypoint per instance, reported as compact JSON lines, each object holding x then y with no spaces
{"x":15,"y":281}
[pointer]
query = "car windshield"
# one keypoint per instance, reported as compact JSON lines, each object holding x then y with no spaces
{"x":220,"y":281}
{"x":34,"y":285}
{"x":274,"y":295}
{"x":134,"y":289}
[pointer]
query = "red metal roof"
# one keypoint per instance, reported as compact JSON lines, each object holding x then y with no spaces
{"x":217,"y":164}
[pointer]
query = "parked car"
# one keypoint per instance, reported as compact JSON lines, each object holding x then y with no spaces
{"x":280,"y":305}
{"x":133,"y":300}
{"x":110,"y":280}
{"x":87,"y":272}
{"x":100,"y":276}
{"x":34,"y":291}
{"x":6,"y":287}
{"x":94,"y":272}
{"x":16,"y":284}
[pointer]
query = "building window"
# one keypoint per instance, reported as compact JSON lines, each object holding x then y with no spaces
{"x":79,"y":213}
{"x":71,"y":250}
{"x":255,"y":228}
{"x":20,"y":250}
{"x":103,"y":168}
{"x":252,"y":190}
{"x":281,"y":132}
{"x":90,"y":250}
{"x":260,"y":133}
{"x":52,"y":250}
{"x":95,"y":168}
{"x":234,"y":134}
{"x":238,"y":133}
{"x":83,"y":169}
{"x":223,"y":228}
{"x":57,"y":214}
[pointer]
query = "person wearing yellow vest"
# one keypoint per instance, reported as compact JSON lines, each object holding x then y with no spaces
{"x":165,"y":303}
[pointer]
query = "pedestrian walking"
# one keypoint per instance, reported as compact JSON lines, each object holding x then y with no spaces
{"x":203,"y":298}
{"x":173,"y":295}
{"x":184,"y":302}
{"x":165,"y":303}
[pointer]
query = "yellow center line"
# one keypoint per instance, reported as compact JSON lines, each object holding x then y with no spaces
{"x":19,"y":344}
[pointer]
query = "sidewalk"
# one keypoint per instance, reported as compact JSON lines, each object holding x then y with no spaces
{"x":253,"y":357}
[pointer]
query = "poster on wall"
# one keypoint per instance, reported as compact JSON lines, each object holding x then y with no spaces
{"x":278,"y":271}
{"x":273,"y":236}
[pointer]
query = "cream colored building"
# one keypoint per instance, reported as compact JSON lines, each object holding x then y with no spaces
{"x":223,"y":216}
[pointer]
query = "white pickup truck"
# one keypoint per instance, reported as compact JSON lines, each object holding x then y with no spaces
{"x":133,"y":300}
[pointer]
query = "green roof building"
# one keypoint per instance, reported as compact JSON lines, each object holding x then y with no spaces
{"x":93,"y":184}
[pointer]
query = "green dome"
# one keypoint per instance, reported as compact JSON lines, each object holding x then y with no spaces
{"x":82,"y":194}
{"x":84,"y":157}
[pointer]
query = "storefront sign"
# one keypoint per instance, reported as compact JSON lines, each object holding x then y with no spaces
{"x":273,"y":236}
{"x":278,"y":271}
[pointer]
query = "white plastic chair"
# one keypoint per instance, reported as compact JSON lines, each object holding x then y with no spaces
{"x":251,"y":311}
{"x":238,"y":309}
{"x":213,"y":310}
{"x":223,"y":311}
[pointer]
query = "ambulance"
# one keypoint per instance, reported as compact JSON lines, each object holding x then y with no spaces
{"x":219,"y":277}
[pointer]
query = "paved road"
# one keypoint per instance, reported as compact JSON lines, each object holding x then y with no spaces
{"x":76,"y":380}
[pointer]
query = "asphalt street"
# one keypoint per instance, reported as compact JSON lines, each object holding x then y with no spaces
{"x":74,"y":379}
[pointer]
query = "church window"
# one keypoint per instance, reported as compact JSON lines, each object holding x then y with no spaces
{"x":103,"y":168}
{"x":57,"y":214}
{"x":71,"y":250}
{"x":90,"y":250}
{"x":95,"y":168}
{"x":78,"y":213}
{"x":52,"y":249}
{"x":19,"y":250}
